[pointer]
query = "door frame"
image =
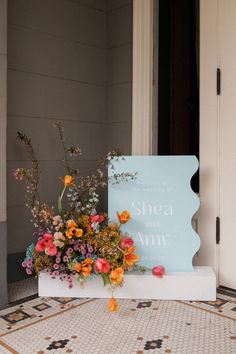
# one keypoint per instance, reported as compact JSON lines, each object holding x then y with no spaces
{"x":144,"y":126}
{"x":144,"y":114}
{"x":209,"y":135}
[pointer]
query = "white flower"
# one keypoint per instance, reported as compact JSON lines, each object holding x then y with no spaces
{"x":59,"y":236}
{"x":58,"y":243}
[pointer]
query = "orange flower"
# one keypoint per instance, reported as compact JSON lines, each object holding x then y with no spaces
{"x":71,"y":223}
{"x":68,"y":181}
{"x":130,"y":258}
{"x":113,"y":305}
{"x":85,"y":268}
{"x":116,"y":275}
{"x":73,"y":231}
{"x":124,"y":217}
{"x":78,"y":267}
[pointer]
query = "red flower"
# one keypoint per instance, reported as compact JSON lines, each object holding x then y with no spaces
{"x":126,"y":242}
{"x":97,"y":218}
{"x":101,"y":265}
{"x":46,"y":245}
{"x":158,"y":271}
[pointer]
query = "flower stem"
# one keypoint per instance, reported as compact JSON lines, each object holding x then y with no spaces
{"x":120,"y":249}
{"x":60,"y":201}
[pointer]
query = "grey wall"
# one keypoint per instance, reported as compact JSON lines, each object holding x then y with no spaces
{"x":71,"y":61}
{"x":119,"y":74}
{"x":56,"y":71}
{"x":3,"y":123}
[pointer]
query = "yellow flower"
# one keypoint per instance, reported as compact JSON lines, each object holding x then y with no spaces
{"x":68,"y":181}
{"x":130,"y":258}
{"x":124,"y":217}
{"x":113,"y":305}
{"x":116,"y":275}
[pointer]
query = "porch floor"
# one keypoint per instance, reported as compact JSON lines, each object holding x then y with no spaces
{"x":65,"y":325}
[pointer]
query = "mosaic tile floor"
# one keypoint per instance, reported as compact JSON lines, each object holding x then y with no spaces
{"x":67,"y":325}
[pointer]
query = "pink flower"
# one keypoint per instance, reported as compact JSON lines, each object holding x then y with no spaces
{"x":45,"y":244}
{"x":90,"y":249}
{"x":97,"y":218}
{"x":65,"y":259}
{"x":24,"y":264}
{"x":101,"y":265}
{"x":28,"y":271}
{"x":51,"y":250}
{"x":126,"y":242}
{"x":158,"y":271}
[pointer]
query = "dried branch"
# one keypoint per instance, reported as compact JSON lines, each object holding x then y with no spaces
{"x":60,"y":129}
{"x":32,"y":175}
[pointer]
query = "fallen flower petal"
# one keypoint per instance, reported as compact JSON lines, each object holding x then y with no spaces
{"x":113,"y":305}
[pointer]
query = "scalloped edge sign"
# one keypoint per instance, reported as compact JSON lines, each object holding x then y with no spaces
{"x":162,"y":204}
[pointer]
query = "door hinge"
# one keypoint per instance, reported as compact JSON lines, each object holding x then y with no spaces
{"x":218,"y":81}
{"x":217,"y":230}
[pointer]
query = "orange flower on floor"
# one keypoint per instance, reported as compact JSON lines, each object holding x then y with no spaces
{"x":116,"y":275}
{"x":130,"y":258}
{"x":124,"y":217}
{"x":85,"y":268}
{"x":113,"y":305}
{"x":68,"y":181}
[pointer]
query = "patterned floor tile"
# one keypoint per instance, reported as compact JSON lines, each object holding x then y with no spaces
{"x":176,"y":327}
{"x":68,"y":325}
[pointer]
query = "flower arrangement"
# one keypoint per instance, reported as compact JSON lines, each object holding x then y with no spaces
{"x":76,"y":241}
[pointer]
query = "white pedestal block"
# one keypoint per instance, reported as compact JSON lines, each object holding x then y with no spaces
{"x":199,"y":285}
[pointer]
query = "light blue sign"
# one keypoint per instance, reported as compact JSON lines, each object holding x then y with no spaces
{"x":162,"y":204}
